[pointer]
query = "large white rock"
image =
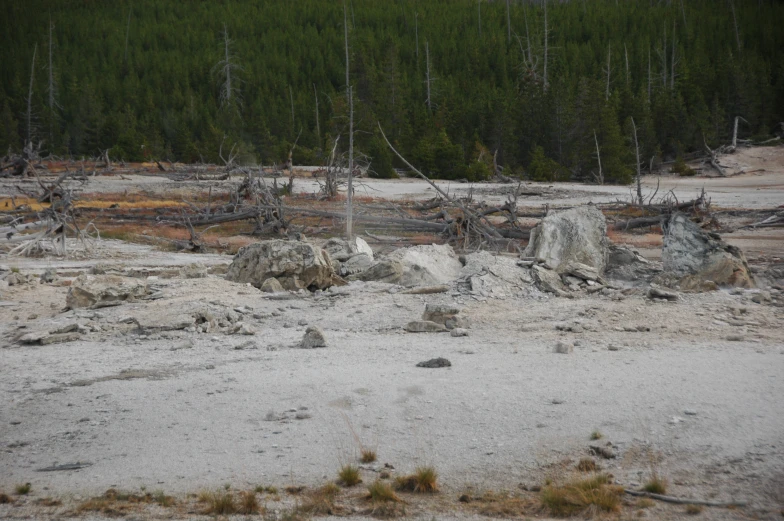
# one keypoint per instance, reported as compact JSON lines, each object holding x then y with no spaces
{"x":427,"y":265}
{"x":577,"y":235}
{"x":697,"y":256}
{"x":96,"y":291}
{"x":294,"y":263}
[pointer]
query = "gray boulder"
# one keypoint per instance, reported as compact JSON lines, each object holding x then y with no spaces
{"x":295,"y":264}
{"x":196,"y":270}
{"x":439,"y":313}
{"x":547,"y":280}
{"x":382,"y":271}
{"x":701,"y":258}
{"x":427,"y":265}
{"x":425,"y":326}
{"x":97,"y":291}
{"x":271,"y":285}
{"x":355,"y":264}
{"x":342,"y":249}
{"x":577,"y":235}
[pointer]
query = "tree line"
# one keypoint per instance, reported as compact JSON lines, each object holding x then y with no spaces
{"x":545,"y":89}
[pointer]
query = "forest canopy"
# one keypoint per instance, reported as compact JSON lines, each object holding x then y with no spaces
{"x":537,"y":86}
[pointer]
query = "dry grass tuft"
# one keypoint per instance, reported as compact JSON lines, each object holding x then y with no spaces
{"x":220,"y":502}
{"x":114,"y":503}
{"x":578,"y":496}
{"x":367,"y":455}
{"x":501,"y":504}
{"x":47,"y":502}
{"x":266,"y":489}
{"x":644,"y":503}
{"x":349,"y":476}
{"x":321,"y":501}
{"x":423,"y":480}
{"x":294,"y":489}
{"x":656,"y":485}
{"x":694,"y":510}
{"x":23,"y":490}
{"x":248,"y":503}
{"x":587,"y":465}
{"x":5,"y":498}
{"x":596,"y":435}
{"x":381,"y":492}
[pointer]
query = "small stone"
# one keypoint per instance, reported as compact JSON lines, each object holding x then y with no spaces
{"x":58,"y":339}
{"x":271,"y":285}
{"x":314,"y":337}
{"x":563,"y":348}
{"x":49,"y":276}
{"x":302,"y":322}
{"x":424,"y":326}
{"x":613,"y":347}
{"x":458,"y":332}
{"x":735,"y":338}
{"x":435,"y":363}
{"x":690,"y":412}
{"x":659,"y":293}
{"x":241,"y":328}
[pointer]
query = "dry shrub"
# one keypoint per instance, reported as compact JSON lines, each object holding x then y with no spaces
{"x":423,"y":480}
{"x":248,"y":503}
{"x":23,"y":490}
{"x":349,"y":475}
{"x":380,"y":492}
{"x":321,"y":501}
{"x":578,"y":496}
{"x":5,"y":498}
{"x":48,"y":502}
{"x":294,"y":489}
{"x":644,"y":503}
{"x":367,"y":455}
{"x":502,"y":504}
{"x":587,"y":465}
{"x":220,"y":502}
{"x":694,"y":510}
{"x":656,"y":485}
{"x":115,"y":503}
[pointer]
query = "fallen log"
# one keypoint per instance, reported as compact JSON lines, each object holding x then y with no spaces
{"x":685,"y":501}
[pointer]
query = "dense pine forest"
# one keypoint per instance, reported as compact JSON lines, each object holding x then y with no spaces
{"x":452,"y":82}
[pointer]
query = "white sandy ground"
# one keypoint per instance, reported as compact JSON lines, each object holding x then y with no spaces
{"x":153,"y":412}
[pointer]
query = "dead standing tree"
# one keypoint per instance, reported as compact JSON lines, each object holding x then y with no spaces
{"x":227,"y":69}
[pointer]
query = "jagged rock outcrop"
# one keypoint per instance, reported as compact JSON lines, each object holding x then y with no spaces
{"x":296,"y":265}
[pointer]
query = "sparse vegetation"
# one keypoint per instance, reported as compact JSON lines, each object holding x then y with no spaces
{"x":381,"y":492}
{"x":644,"y":502}
{"x":500,"y":504}
{"x":220,"y":502}
{"x":682,"y":169}
{"x":587,"y":465}
{"x":694,"y":510}
{"x":260,"y":489}
{"x":321,"y":501}
{"x":23,"y":490}
{"x":367,"y":455}
{"x":577,"y":496}
{"x":348,"y":476}
{"x":115,"y":503}
{"x":423,"y":480}
{"x":596,"y":435}
{"x":655,"y":485}
{"x":5,"y":498}
{"x":248,"y":503}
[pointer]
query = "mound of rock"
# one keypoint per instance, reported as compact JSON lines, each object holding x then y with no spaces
{"x":342,"y":250}
{"x":575,"y":235}
{"x":295,"y":264}
{"x":700,"y":259}
{"x":97,"y":291}
{"x":426,"y":265}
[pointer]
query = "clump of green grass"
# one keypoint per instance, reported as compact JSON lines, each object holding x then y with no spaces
{"x":381,"y":492}
{"x":587,"y":465}
{"x":596,"y":435}
{"x":220,"y":502}
{"x":577,"y":496}
{"x":694,"y":510}
{"x":260,"y":489}
{"x":23,"y":490}
{"x":423,"y":480}
{"x":367,"y":455}
{"x":248,"y":504}
{"x":349,"y":475}
{"x":162,"y":499}
{"x":656,"y":485}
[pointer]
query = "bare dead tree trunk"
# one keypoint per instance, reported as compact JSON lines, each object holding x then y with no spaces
{"x":637,"y":163}
{"x":127,"y":33}
{"x":735,"y":132}
{"x":683,"y":12}
{"x":428,"y":78}
{"x":29,"y":115}
{"x":527,"y":33}
{"x":649,"y":73}
{"x":416,"y":34}
{"x":349,"y":195}
{"x":600,"y":177}
{"x":318,"y":127}
{"x":225,"y":68}
{"x":545,"y":47}
{"x":735,"y":21}
{"x":228,"y":69}
{"x":52,"y":100}
{"x":607,"y":88}
{"x":479,"y":7}
{"x":672,"y":59}
{"x":291,"y":97}
{"x":626,"y":54}
{"x":508,"y":23}
{"x":664,"y":58}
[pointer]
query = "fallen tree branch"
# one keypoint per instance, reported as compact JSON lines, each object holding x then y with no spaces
{"x":683,"y":501}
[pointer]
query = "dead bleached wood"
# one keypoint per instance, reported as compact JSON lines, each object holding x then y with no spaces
{"x":686,"y":501}
{"x":714,"y":159}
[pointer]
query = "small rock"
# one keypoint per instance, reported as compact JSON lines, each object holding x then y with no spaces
{"x":271,"y":285}
{"x":439,"y":313}
{"x":58,"y":339}
{"x":563,"y":348}
{"x":314,"y":337}
{"x":762,"y":297}
{"x":458,"y":331}
{"x":49,"y":276}
{"x":435,"y":363}
{"x":241,"y":328}
{"x":660,"y":293}
{"x":690,"y":412}
{"x":613,"y":347}
{"x":424,"y":326}
{"x":735,"y":338}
